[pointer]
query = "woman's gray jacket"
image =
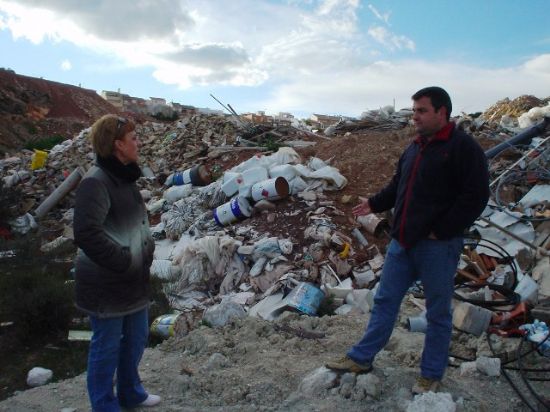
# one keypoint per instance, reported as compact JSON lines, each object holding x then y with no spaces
{"x":115,"y":252}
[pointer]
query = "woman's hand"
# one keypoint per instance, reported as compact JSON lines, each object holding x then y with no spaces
{"x":362,"y":208}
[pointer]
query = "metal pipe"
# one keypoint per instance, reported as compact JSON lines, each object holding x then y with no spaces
{"x":524,"y":136}
{"x":541,"y":251}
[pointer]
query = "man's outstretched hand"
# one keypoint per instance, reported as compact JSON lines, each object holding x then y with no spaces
{"x":362,"y":208}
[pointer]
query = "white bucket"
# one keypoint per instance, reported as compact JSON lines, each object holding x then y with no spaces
{"x":237,"y":208}
{"x":271,"y":189}
{"x":231,"y":183}
{"x":254,"y":175}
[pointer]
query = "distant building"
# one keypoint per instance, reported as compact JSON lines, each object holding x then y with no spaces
{"x":322,"y":121}
{"x":157,"y":100}
{"x":115,"y":98}
{"x":206,"y":110}
{"x":283,"y":119}
{"x":258,"y":118}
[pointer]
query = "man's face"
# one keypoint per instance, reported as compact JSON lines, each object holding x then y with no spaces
{"x":427,"y":120}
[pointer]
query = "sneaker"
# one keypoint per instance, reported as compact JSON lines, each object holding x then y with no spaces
{"x":346,"y":364}
{"x":424,"y":385}
{"x":152,"y":400}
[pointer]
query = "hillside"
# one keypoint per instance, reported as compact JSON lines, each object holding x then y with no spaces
{"x":32,"y":108}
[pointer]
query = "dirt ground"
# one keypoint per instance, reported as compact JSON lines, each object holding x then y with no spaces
{"x":254,"y":365}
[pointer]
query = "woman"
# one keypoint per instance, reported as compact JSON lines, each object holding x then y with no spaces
{"x":115,"y":253}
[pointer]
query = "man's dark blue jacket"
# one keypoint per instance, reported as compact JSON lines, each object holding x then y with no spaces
{"x":440,"y":186}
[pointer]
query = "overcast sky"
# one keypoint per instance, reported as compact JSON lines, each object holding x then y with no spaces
{"x":301,"y":56}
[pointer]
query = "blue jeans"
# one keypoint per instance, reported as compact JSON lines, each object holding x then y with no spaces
{"x":433,"y":262}
{"x":117,"y":345}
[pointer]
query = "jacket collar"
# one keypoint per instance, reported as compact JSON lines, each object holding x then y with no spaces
{"x":444,"y":134}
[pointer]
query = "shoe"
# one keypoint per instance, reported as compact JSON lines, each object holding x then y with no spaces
{"x":346,"y":364}
{"x":424,"y":385}
{"x":152,"y":400}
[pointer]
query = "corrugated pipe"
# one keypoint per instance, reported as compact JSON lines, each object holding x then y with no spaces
{"x":521,"y":138}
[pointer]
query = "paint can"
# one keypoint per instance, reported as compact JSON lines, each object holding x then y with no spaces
{"x":163,"y":326}
{"x":197,"y":176}
{"x":372,"y":223}
{"x":305,"y":298}
{"x":418,"y":323}
{"x":271,"y":189}
{"x":237,"y":208}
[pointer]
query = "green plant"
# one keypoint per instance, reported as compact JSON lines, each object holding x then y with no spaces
{"x":10,"y":197}
{"x":326,"y":308}
{"x":44,"y":143}
{"x":39,"y":304}
{"x":204,"y":322}
{"x":271,"y":144}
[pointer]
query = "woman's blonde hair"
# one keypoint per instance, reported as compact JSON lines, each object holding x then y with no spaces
{"x":106,"y":130}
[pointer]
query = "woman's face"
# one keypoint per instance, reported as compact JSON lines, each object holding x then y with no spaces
{"x":127,"y":148}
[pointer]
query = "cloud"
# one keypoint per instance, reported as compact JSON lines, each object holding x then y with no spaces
{"x":384,"y":17}
{"x":122,"y":20}
{"x":391,"y":40}
{"x":66,"y":65}
{"x":305,"y":55}
{"x":352,"y":91}
{"x":210,"y":55}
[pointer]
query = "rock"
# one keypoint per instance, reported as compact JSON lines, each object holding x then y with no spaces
{"x":366,"y":385}
{"x":220,"y":315}
{"x":38,"y":376}
{"x":347,"y":382}
{"x":317,"y":382}
{"x":216,"y":361}
{"x":488,"y":366}
{"x":468,"y":368}
{"x":430,"y":401}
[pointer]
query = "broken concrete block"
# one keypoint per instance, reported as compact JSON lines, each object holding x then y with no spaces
{"x":38,"y":376}
{"x":471,"y":319}
{"x":488,"y":366}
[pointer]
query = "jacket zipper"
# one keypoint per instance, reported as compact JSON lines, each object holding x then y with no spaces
{"x":408,"y":196}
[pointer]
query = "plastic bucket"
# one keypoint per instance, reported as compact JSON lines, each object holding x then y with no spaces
{"x":271,"y":189}
{"x":231,"y":183}
{"x":38,"y":159}
{"x":237,"y":208}
{"x":305,"y":298}
{"x":197,"y":176}
{"x":163,"y":326}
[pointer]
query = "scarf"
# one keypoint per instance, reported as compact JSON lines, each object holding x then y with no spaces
{"x":130,"y":172}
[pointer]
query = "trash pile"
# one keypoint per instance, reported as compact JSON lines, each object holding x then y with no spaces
{"x":385,"y":118}
{"x":258,"y":236}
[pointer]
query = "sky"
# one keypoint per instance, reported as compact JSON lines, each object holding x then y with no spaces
{"x":336,"y":57}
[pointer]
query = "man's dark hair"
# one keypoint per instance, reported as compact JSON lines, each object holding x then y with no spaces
{"x":438,"y":96}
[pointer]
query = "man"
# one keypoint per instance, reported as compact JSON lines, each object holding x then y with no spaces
{"x":440,"y":187}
